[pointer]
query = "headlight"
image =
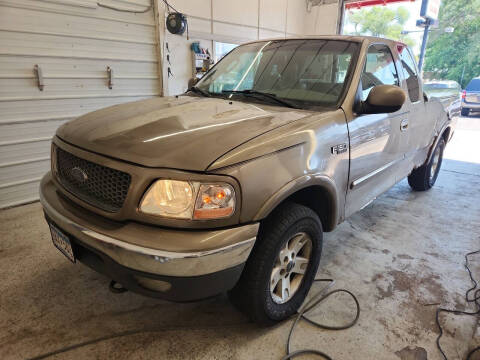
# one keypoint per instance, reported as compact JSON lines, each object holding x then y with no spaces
{"x":170,"y":198}
{"x":189,"y":200}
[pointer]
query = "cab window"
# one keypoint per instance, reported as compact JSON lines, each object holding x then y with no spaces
{"x":410,"y":73}
{"x":379,"y":69}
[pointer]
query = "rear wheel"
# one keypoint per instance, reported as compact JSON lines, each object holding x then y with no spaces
{"x":282,"y":265}
{"x":465,"y":111}
{"x":424,"y":177}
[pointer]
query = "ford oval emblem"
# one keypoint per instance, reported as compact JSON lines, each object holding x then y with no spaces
{"x":79,"y":175}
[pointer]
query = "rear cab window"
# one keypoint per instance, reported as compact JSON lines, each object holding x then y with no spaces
{"x":410,"y":72}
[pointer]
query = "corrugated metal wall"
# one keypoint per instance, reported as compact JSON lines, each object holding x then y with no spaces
{"x":73,"y":42}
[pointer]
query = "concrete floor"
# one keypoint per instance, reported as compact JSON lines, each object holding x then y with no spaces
{"x":400,"y":256}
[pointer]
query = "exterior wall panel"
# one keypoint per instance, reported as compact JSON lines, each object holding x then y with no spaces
{"x":73,"y":42}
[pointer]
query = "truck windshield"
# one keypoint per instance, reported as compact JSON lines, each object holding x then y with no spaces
{"x":302,"y":72}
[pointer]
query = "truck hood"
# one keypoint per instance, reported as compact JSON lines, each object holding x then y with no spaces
{"x":186,"y":133}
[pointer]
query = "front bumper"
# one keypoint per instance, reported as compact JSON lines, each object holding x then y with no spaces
{"x":200,"y":264}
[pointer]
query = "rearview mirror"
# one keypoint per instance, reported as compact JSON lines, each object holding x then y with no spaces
{"x":383,"y":99}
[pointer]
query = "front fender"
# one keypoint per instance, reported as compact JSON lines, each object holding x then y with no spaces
{"x":298,"y":184}
{"x":274,"y":166}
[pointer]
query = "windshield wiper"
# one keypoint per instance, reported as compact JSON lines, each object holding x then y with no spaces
{"x":200,"y":91}
{"x":257,"y":94}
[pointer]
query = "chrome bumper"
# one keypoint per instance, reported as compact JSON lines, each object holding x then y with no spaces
{"x":139,"y":246}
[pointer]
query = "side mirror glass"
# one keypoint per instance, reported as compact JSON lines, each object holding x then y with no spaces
{"x":383,"y":99}
{"x":192,"y":82}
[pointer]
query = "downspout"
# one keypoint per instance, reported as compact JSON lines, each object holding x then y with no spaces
{"x":340,"y":16}
{"x":159,"y":18}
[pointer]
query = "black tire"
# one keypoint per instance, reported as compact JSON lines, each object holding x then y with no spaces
{"x":252,"y":294}
{"x":423,"y":178}
{"x":465,"y":111}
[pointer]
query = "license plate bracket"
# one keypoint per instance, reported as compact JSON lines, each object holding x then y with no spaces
{"x":62,"y":242}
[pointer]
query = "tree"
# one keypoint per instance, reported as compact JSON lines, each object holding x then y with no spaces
{"x":455,"y":56}
{"x":380,"y":21}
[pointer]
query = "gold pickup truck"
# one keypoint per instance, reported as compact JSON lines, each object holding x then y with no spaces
{"x":230,"y":186}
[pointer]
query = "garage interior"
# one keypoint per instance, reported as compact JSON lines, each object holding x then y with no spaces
{"x":402,"y":256}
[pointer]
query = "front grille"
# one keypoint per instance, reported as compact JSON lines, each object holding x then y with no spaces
{"x":95,"y":184}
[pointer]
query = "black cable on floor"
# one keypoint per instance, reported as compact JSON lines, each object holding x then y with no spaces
{"x":311,"y":304}
{"x":475,"y":300}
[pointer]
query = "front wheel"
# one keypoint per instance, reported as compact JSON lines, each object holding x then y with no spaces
{"x":424,"y":177}
{"x":282,"y":265}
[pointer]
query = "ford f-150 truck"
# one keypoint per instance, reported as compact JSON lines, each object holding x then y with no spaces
{"x":230,"y":186}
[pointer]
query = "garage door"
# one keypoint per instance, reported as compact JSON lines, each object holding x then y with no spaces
{"x":72,"y":42}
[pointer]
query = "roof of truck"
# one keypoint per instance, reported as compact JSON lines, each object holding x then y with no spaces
{"x":355,"y":38}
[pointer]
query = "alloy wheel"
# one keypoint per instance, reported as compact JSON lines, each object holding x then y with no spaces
{"x":290,"y":267}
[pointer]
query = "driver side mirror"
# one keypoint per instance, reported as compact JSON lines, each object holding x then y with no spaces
{"x":382,"y":99}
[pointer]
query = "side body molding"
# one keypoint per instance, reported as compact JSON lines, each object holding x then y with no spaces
{"x":298,"y":184}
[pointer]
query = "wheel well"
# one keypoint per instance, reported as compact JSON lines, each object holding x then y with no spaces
{"x":319,"y":200}
{"x":446,"y":134}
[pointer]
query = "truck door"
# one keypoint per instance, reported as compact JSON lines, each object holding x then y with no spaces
{"x":377,"y":141}
{"x":420,"y":124}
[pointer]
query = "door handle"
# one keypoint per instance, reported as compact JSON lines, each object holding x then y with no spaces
{"x":404,"y":125}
